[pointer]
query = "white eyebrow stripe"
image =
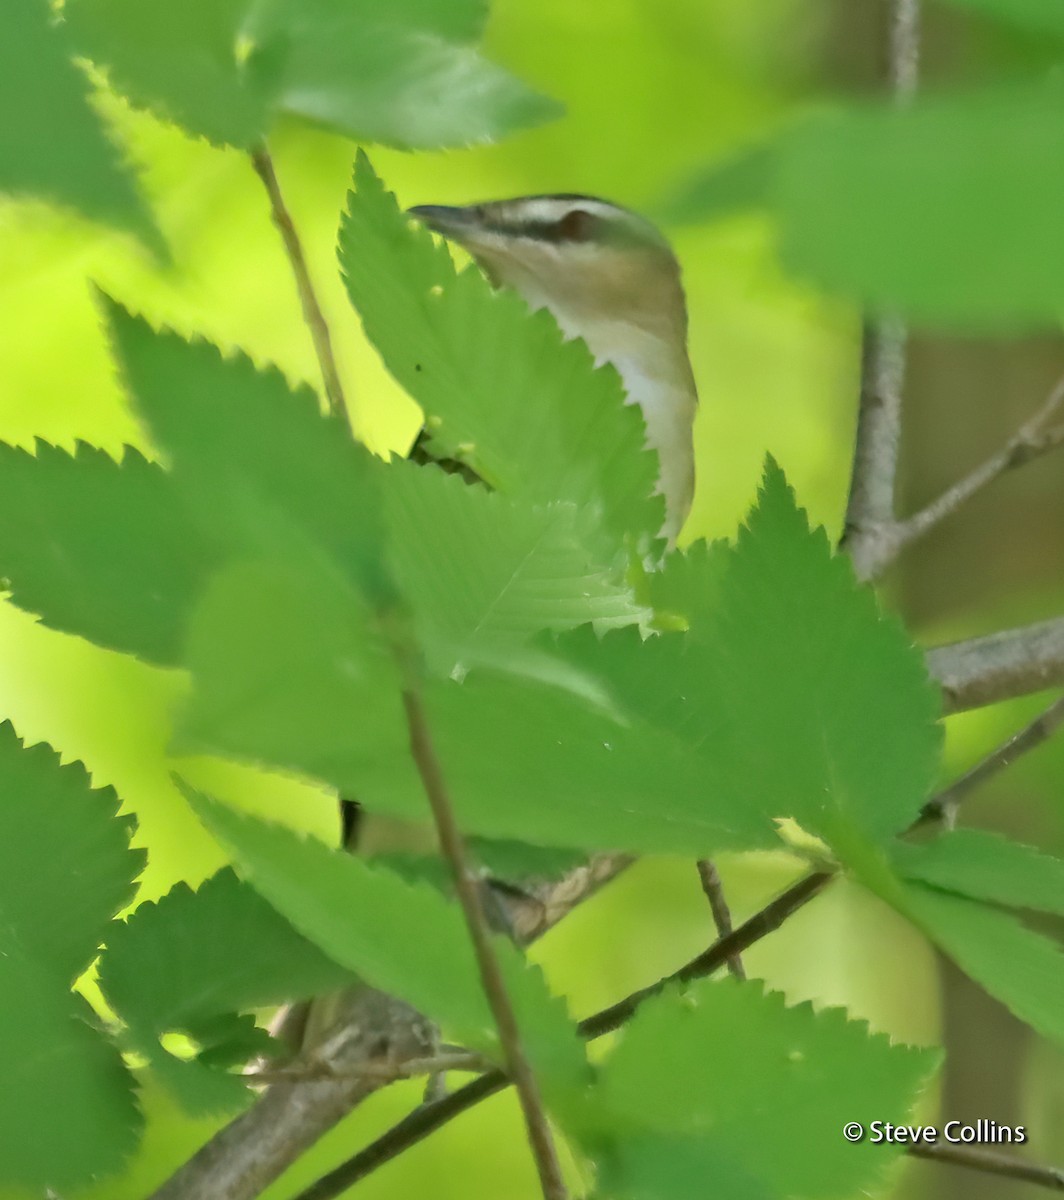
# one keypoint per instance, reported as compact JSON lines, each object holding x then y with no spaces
{"x":552,"y":208}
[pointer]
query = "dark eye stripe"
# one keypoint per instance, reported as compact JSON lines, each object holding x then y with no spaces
{"x":539,"y":231}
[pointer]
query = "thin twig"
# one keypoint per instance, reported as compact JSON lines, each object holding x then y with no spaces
{"x":991,"y":1163}
{"x":713,"y":889}
{"x":1000,"y":666}
{"x":312,"y":313}
{"x":519,"y":1069}
{"x":423,"y":1121}
{"x":943,"y":807}
{"x":1036,"y":437}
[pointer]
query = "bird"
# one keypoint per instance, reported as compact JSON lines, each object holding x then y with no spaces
{"x":610,"y":277}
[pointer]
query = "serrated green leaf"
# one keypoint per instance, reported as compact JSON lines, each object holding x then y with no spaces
{"x":771,"y":1092}
{"x":189,"y":962}
{"x":797,"y":696}
{"x":985,"y":866}
{"x":484,"y":573}
{"x":259,"y":463}
{"x":409,"y":941}
{"x":530,"y":762}
{"x":287,"y":670}
{"x":67,"y":1109}
{"x":66,"y":866}
{"x":102,"y":549}
{"x":500,"y":388}
{"x":687,"y":579}
{"x":944,"y":209}
{"x":53,"y":146}
{"x":404,"y":73}
{"x":1017,"y":966}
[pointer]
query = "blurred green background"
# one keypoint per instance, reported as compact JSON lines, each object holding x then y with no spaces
{"x":654,"y":89}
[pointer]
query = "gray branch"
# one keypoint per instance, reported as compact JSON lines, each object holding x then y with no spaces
{"x":242,"y":1159}
{"x":1000,"y":666}
{"x":870,"y":509}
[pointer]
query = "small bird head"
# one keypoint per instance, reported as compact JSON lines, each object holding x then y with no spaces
{"x":610,"y":278}
{"x":585,"y":259}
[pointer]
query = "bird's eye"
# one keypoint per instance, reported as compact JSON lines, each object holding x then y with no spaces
{"x":578,"y":225}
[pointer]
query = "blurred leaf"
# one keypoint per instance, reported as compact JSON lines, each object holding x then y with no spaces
{"x":797,"y":696}
{"x":1017,"y":966}
{"x":483,"y":573}
{"x":258,"y":461}
{"x":395,"y":74}
{"x":370,"y":920}
{"x":101,"y":549}
{"x":946,"y":209}
{"x":67,"y":1107}
{"x":52,"y":144}
{"x":984,"y":866}
{"x":743,"y":180}
{"x":403,"y":73}
{"x":287,"y":670}
{"x":66,"y":866}
{"x":187,"y":963}
{"x":726,"y":1073}
{"x":500,"y":388}
{"x":1039,"y":16}
{"x":180,"y":59}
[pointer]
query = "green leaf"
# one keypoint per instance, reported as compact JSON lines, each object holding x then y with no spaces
{"x":67,"y":1109}
{"x":405,"y":940}
{"x":102,"y":549}
{"x":790,"y":696}
{"x":500,"y":388}
{"x":529,"y":762}
{"x":66,"y":866}
{"x":944,"y":209}
{"x":724,"y":1073}
{"x":52,"y":144}
{"x":287,"y":670}
{"x":258,"y":461}
{"x":404,"y":73}
{"x":187,"y":963}
{"x":395,"y":74}
{"x":1038,"y":16}
{"x":484,"y":573}
{"x":984,"y":866}
{"x":687,"y":579}
{"x":180,"y":59}
{"x":741,"y":181}
{"x":1019,"y":967}
{"x":795,"y":694}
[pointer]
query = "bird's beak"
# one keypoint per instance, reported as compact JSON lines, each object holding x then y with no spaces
{"x":449,"y":222}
